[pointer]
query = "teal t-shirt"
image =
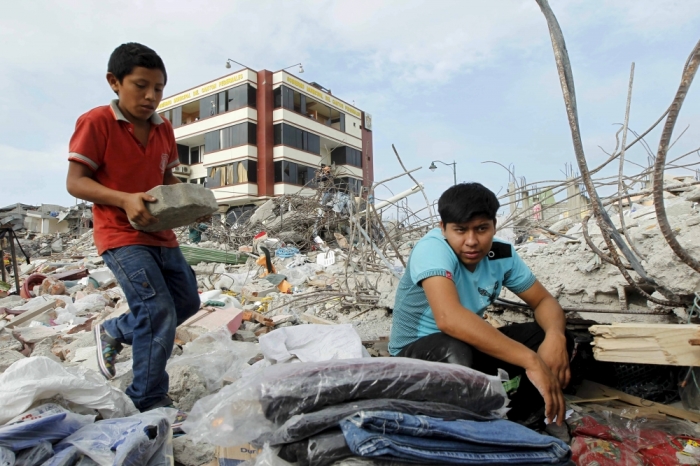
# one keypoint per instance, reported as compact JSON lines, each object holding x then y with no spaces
{"x":433,"y":256}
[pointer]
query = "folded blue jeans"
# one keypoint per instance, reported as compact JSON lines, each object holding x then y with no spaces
{"x":432,"y":440}
{"x":161,"y":289}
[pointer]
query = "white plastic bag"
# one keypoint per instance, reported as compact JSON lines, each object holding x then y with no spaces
{"x":309,"y":343}
{"x":40,"y":378}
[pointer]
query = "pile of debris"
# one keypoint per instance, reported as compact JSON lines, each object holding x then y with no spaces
{"x":591,"y":289}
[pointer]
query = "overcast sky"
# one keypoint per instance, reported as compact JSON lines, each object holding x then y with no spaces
{"x":461,"y":80}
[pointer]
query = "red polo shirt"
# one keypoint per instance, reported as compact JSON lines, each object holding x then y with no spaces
{"x":104,"y":141}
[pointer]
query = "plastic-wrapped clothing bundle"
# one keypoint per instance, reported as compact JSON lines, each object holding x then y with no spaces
{"x":49,"y":422}
{"x":40,"y":378}
{"x":245,"y":410}
{"x":426,"y":439}
{"x":298,"y":389}
{"x":302,"y":426}
{"x":7,"y":457}
{"x":130,"y":441}
{"x":36,"y":455}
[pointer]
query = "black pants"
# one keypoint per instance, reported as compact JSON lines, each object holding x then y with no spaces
{"x":527,"y":404}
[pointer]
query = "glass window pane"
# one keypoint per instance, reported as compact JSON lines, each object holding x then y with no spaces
{"x":243,"y":171}
{"x":252,"y":133}
{"x":231,"y":174}
{"x":278,"y":172}
{"x":194,"y":155}
{"x":213,"y":179}
{"x":278,"y":134}
{"x":252,"y":171}
{"x":277,"y":93}
{"x":183,"y":153}
{"x":314,"y":144}
{"x":177,"y":117}
{"x":212,"y":141}
{"x":252,"y":96}
{"x":221,"y":98}
{"x":342,"y":121}
{"x":207,"y":107}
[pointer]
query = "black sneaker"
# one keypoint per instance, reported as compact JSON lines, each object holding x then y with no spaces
{"x":181,"y":416}
{"x":107,"y":350}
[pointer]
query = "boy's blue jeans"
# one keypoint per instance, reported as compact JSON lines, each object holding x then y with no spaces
{"x":426,"y":439}
{"x":161,"y":289}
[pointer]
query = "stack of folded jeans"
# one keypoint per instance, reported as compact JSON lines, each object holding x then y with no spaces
{"x":379,"y":410}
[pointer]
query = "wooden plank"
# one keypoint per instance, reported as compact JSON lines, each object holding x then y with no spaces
{"x":27,"y":316}
{"x":590,"y":389}
{"x":664,"y":344}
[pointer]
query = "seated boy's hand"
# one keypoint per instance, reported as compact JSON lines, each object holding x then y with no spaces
{"x":135,"y":208}
{"x":548,"y":385}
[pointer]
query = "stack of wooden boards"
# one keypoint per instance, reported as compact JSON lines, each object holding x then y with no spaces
{"x":666,"y":344}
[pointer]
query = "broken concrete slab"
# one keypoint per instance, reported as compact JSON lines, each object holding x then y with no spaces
{"x":33,"y":335}
{"x":188,"y":453}
{"x":9,"y":357}
{"x":186,"y":387}
{"x":45,"y":348}
{"x":178,"y":205}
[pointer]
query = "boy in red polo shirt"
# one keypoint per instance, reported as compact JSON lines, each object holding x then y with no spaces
{"x":117,"y":153}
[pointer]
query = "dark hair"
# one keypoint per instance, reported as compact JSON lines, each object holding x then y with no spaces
{"x":128,"y":56}
{"x":464,"y":201}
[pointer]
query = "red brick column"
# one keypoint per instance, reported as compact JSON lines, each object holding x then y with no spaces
{"x":265,"y":106}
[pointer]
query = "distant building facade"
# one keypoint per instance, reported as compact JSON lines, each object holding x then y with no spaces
{"x":253,"y":135}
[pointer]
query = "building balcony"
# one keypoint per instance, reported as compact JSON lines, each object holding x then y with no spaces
{"x":309,"y":124}
{"x":223,"y":120}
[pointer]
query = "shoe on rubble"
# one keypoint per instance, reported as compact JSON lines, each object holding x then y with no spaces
{"x":107,"y":350}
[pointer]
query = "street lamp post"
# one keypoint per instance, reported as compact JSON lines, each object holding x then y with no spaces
{"x":229,"y":61}
{"x":432,"y":168}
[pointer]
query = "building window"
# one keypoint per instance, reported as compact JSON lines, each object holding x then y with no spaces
{"x":295,"y":173}
{"x":194,"y":154}
{"x":241,"y":96}
{"x":290,"y":99}
{"x":176,"y":113}
{"x":351,"y":185}
{"x":245,"y":171}
{"x":346,"y":156}
{"x":232,"y":136}
{"x":237,"y":97}
{"x":182,"y":180}
{"x":292,"y":136}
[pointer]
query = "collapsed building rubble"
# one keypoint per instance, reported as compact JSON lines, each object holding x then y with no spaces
{"x":311,"y":280}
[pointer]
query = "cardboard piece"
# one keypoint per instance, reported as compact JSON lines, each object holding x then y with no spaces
{"x":233,"y":456}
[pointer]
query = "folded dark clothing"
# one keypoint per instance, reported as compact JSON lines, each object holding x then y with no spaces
{"x":305,"y":425}
{"x":304,"y":388}
{"x":319,"y":450}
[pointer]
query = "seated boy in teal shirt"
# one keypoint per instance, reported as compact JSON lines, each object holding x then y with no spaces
{"x":453,"y":274}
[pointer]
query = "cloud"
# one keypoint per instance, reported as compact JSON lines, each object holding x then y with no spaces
{"x":34,"y":177}
{"x":463,"y":79}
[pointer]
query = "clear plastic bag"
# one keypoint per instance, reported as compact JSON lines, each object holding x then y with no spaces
{"x":35,"y":456}
{"x":214,"y":355}
{"x":40,"y":378}
{"x":48,"y":422}
{"x":129,"y":441}
{"x":7,"y":457}
{"x":256,"y":405}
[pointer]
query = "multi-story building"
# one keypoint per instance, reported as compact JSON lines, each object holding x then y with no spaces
{"x":252,"y":135}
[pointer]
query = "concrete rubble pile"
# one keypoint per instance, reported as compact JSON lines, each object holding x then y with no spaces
{"x":593,"y":290}
{"x":328,"y":274}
